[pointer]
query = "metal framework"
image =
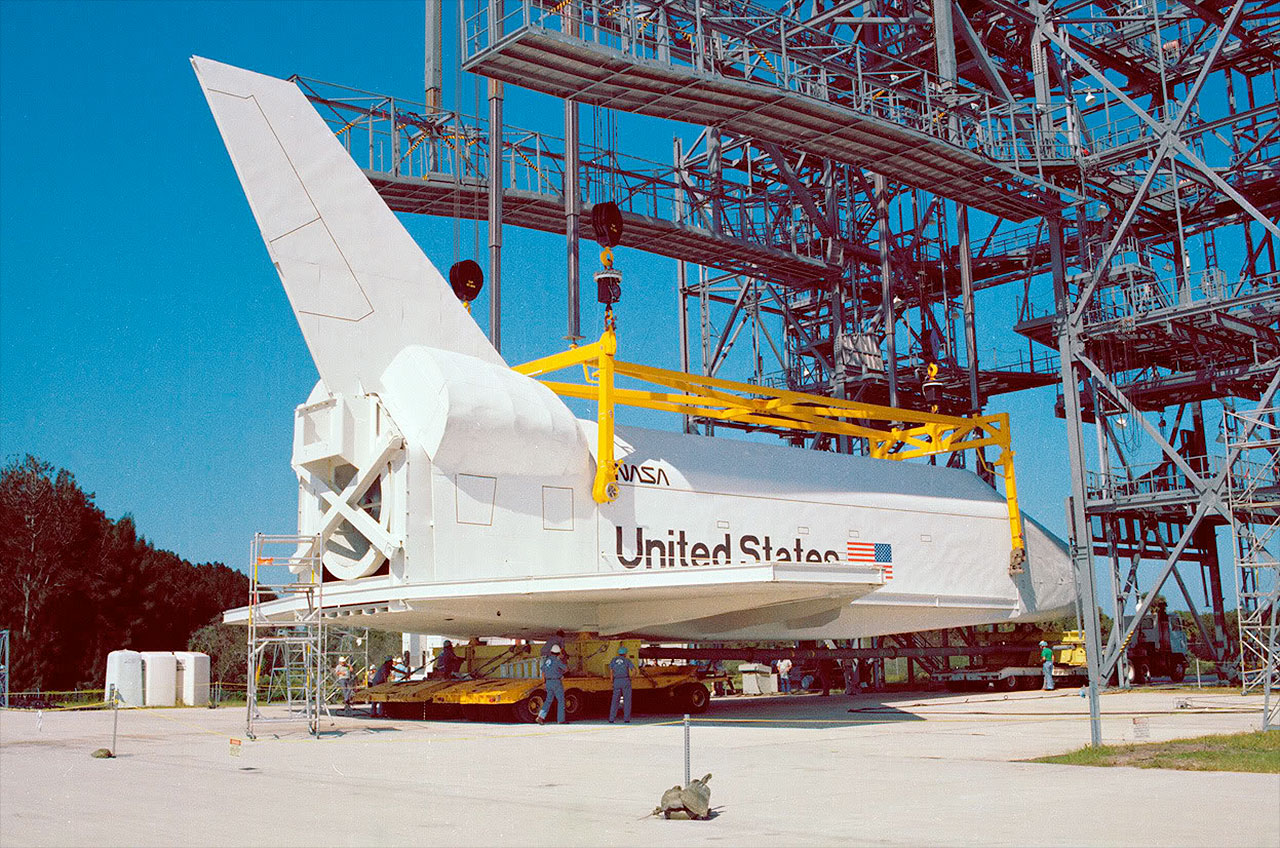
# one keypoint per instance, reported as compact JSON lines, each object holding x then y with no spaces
{"x":292,"y":652}
{"x":858,"y":172}
{"x":1088,"y":115}
{"x":1254,"y":500}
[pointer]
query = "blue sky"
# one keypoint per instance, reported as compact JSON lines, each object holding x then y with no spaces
{"x":145,"y":342}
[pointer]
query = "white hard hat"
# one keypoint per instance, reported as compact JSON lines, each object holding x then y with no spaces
{"x":555,"y":649}
{"x":1043,"y":643}
{"x":342,"y":659}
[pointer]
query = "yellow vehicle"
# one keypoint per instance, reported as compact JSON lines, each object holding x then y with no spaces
{"x":503,"y":682}
{"x":1021,"y":668}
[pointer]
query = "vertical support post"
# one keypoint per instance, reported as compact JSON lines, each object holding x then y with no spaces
{"x":4,"y":670}
{"x":1082,"y":541}
{"x":944,"y":43}
{"x":433,"y":80}
{"x":682,"y":271}
{"x":605,"y":487}
{"x":495,"y":214}
{"x":115,"y":717}
{"x":1206,"y":537}
{"x":572,"y":212}
{"x":835,"y":256}
{"x":687,"y":775}
{"x":886,"y":288}
{"x":966,"y":295}
{"x":944,"y":46}
{"x":1040,"y":73}
{"x":682,"y":282}
{"x":714,"y":168}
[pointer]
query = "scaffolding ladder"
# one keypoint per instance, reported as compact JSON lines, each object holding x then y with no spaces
{"x":289,"y":651}
{"x":1254,"y":497}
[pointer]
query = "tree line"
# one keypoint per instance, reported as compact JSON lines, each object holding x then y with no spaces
{"x":76,"y":585}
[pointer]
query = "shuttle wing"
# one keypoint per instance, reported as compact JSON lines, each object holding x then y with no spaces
{"x":359,"y":285}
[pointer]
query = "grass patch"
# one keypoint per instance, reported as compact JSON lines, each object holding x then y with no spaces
{"x":1247,"y":752}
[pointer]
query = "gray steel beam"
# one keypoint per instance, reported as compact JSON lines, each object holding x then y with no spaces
{"x":434,"y":53}
{"x":966,"y":295}
{"x":798,"y":189}
{"x":572,"y":213}
{"x":989,"y":68}
{"x":1082,"y":543}
{"x":888,"y":319}
{"x":495,"y":214}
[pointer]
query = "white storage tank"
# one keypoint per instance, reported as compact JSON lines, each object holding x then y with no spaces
{"x":124,"y":672}
{"x":193,"y":678}
{"x":160,"y":678}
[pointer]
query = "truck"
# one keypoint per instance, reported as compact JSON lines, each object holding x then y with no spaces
{"x":1020,"y":667}
{"x":504,"y":682}
{"x":1157,"y":648}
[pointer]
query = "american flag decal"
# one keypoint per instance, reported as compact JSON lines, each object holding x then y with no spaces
{"x":880,"y":553}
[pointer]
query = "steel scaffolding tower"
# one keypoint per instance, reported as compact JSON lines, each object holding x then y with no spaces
{"x":1089,"y":115}
{"x":291,"y":652}
{"x":856,"y":173}
{"x":1254,"y":498}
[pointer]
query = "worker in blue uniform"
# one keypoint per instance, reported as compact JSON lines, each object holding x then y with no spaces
{"x":621,"y":668}
{"x":553,"y":669}
{"x":1046,"y":662}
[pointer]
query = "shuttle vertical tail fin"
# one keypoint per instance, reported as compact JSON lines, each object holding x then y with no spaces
{"x":358,"y":283}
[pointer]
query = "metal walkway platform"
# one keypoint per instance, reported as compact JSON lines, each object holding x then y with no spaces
{"x":861,"y":109}
{"x":437,"y":164}
{"x":442,"y":195}
{"x":1212,"y":331}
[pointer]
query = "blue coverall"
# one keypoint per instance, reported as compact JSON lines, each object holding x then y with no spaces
{"x":553,"y":669}
{"x":1046,"y":661}
{"x":621,"y":668}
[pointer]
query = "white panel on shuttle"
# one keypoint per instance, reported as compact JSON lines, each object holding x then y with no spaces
{"x":557,"y":508}
{"x":320,"y":282}
{"x":475,"y":499}
{"x":286,"y":206}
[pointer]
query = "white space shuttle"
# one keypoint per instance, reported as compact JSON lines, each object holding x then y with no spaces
{"x":454,"y":495}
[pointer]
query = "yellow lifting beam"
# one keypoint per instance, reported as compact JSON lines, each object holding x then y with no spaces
{"x":905,"y":433}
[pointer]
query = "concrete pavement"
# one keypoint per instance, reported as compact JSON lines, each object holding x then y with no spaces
{"x":803,"y":770}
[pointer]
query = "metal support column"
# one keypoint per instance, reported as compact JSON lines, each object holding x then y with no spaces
{"x":433,"y":79}
{"x":572,"y":212}
{"x":495,"y":214}
{"x":1082,"y":539}
{"x":886,"y":288}
{"x":966,"y":294}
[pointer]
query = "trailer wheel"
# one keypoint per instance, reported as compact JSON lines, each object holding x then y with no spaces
{"x":574,"y":701}
{"x":1179,"y":671}
{"x":692,"y":697}
{"x":1012,"y":683}
{"x":527,"y":710}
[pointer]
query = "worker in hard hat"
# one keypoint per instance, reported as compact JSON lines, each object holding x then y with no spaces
{"x":621,"y":667}
{"x":553,"y":669}
{"x":1046,"y":659}
{"x":448,"y":663}
{"x":343,"y":673}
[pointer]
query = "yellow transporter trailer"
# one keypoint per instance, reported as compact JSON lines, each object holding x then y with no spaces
{"x":499,"y":682}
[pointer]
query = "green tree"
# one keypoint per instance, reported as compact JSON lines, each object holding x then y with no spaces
{"x":75,"y":585}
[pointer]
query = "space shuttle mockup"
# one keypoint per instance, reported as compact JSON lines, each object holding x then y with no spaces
{"x":453,"y":495}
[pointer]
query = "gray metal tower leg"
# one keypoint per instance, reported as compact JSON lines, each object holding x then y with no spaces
{"x":1082,"y":539}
